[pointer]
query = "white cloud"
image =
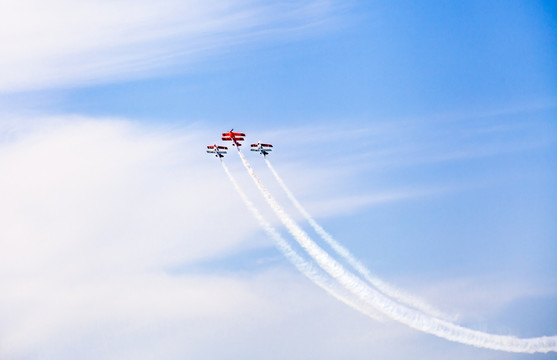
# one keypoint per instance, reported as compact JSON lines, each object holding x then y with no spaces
{"x":64,"y":42}
{"x":81,"y":184}
{"x":95,"y":213}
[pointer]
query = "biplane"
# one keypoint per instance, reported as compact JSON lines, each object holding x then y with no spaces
{"x":262,"y":148}
{"x":218,"y":150}
{"x":235,"y":137}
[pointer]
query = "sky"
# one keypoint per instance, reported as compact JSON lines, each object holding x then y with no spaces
{"x":421,"y":135}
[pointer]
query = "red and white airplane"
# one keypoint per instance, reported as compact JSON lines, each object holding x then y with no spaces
{"x":262,"y":148}
{"x":218,"y":150}
{"x":235,"y":137}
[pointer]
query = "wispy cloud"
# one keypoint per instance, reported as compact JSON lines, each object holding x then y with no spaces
{"x":64,"y":43}
{"x":95,"y":213}
{"x":78,"y":183}
{"x":387,"y":144}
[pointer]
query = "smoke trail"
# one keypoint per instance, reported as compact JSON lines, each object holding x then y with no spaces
{"x":314,"y":274}
{"x":401,"y":313}
{"x":385,"y":288}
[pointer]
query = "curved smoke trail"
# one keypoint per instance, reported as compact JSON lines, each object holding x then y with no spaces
{"x":314,"y":274}
{"x":385,"y":288}
{"x":396,"y":311}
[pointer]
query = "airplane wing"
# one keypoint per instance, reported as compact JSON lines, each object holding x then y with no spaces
{"x":216,"y":149}
{"x":262,"y":145}
{"x":228,"y":138}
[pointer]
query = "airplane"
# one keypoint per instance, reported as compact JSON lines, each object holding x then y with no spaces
{"x":262,"y":148}
{"x":234,"y":137}
{"x":218,"y":150}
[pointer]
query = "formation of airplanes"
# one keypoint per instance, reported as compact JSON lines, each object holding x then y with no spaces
{"x":236,"y":137}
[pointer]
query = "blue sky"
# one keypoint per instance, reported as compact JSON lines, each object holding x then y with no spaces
{"x":421,"y":135}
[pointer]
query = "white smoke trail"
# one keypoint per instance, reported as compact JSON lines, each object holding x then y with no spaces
{"x":314,"y":274}
{"x":385,"y":288}
{"x":401,"y":313}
